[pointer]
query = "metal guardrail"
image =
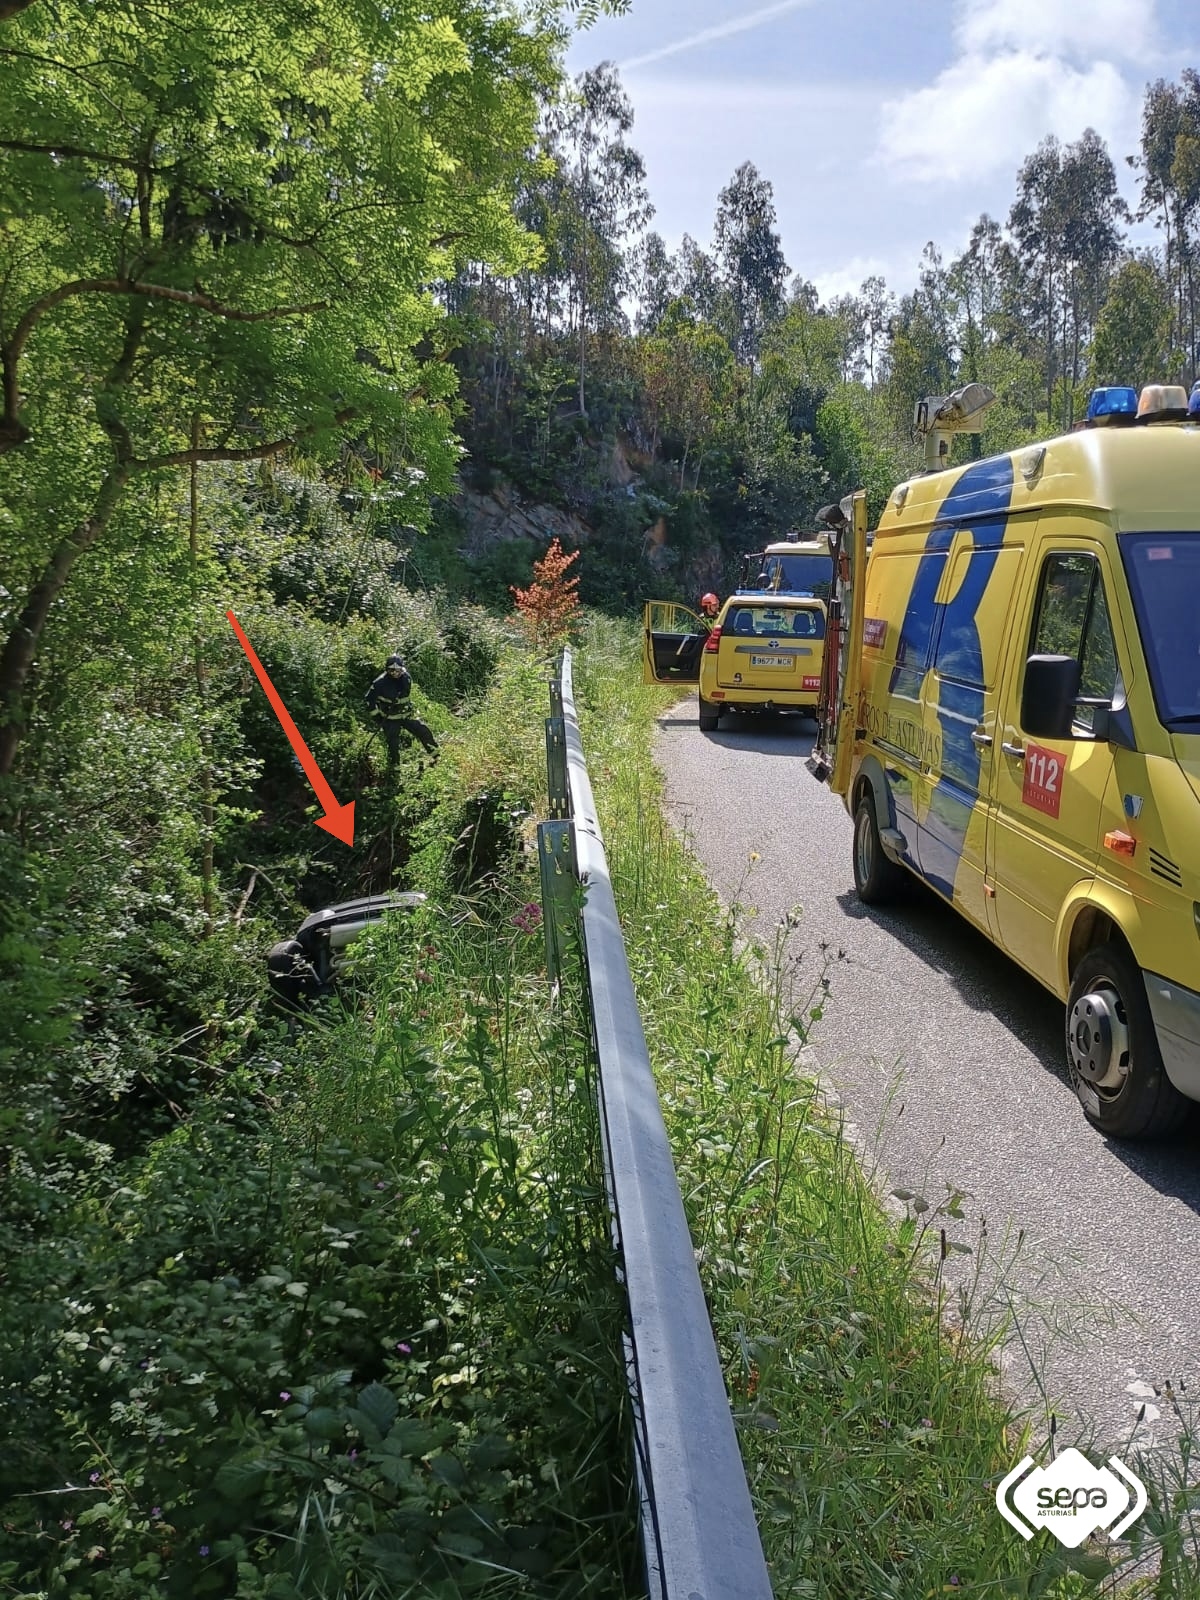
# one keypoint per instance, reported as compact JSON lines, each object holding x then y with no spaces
{"x":700,"y":1538}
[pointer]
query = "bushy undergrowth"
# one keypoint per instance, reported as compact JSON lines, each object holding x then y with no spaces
{"x":353,"y":1330}
{"x":313,"y":1310}
{"x":865,"y":1390}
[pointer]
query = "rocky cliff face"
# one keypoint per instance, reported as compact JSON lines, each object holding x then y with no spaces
{"x":501,"y":514}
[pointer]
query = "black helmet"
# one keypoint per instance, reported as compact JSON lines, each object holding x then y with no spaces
{"x":394,"y":661}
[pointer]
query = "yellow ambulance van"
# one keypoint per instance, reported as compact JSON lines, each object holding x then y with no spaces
{"x":1012,"y":714}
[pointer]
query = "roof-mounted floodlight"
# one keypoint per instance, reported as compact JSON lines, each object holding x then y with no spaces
{"x":832,"y":516}
{"x":938,"y":418}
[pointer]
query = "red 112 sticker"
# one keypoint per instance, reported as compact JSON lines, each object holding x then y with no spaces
{"x":1042,"y":786}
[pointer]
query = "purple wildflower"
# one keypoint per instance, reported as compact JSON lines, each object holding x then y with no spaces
{"x":156,"y":1512}
{"x":285,"y":1395}
{"x":404,"y":1349}
{"x":529,"y":918}
{"x":203,"y":1549}
{"x":93,"y":1477}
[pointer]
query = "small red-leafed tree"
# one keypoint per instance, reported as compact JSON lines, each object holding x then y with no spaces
{"x":549,"y":609}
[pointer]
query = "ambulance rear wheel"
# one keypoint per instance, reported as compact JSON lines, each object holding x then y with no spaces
{"x":710,"y":715}
{"x":876,"y":878}
{"x":1113,"y":1057}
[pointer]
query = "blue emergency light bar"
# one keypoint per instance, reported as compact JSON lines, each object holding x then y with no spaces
{"x":1114,"y":405}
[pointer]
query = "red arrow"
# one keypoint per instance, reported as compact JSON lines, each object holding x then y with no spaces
{"x":338,"y":819}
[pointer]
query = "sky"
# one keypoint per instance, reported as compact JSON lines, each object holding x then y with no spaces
{"x":881,"y":124}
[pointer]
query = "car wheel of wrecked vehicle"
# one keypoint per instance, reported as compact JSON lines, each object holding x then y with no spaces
{"x":1113,"y":1057}
{"x":876,"y":878}
{"x":709,"y":716}
{"x":293,"y":981}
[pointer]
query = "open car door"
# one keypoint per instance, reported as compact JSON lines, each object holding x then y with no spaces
{"x":841,"y":673}
{"x":672,"y":642}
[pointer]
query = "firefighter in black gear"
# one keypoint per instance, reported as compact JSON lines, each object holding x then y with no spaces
{"x":388,"y":702}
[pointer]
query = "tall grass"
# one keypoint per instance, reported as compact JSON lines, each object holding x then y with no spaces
{"x":352,"y":1330}
{"x":864,"y":1386}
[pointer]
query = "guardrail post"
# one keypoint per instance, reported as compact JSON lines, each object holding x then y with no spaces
{"x":560,"y":891}
{"x":556,"y":768}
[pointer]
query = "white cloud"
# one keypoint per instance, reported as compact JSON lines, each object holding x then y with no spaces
{"x":721,"y":30}
{"x":1023,"y":69}
{"x":1110,"y":29}
{"x":981,"y":116}
{"x":849,"y":278}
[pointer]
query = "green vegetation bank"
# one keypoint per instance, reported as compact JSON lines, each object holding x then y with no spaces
{"x":327,"y":1308}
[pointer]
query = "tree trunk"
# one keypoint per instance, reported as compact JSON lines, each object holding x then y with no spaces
{"x":21,"y":645}
{"x":583,"y":303}
{"x":207,"y":870}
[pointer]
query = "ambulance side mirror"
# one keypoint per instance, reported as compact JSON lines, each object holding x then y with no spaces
{"x":1048,"y":696}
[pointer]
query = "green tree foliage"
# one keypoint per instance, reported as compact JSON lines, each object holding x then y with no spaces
{"x":1134,"y":326}
{"x":1169,"y":162}
{"x":1066,"y":226}
{"x":686,"y":376}
{"x":217,"y":225}
{"x":749,"y":257}
{"x":606,"y":199}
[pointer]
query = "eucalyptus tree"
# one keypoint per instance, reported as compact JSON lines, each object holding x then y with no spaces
{"x":652,"y":278}
{"x":878,"y":306}
{"x":921,"y":348}
{"x":605,"y":200}
{"x":1169,"y":163}
{"x":218,"y":227}
{"x":697,"y":278}
{"x":749,"y":257}
{"x":688,"y":381}
{"x":1132,"y":344}
{"x":974,"y":278}
{"x":1066,"y":225}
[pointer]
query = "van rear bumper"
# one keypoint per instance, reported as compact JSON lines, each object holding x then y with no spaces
{"x":1176,"y":1013}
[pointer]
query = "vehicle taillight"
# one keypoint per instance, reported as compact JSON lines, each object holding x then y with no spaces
{"x":713,"y":639}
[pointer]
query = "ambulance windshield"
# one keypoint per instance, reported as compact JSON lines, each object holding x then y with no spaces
{"x":1164,"y":575}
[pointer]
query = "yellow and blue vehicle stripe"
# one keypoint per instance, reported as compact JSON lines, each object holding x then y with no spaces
{"x":947,"y":632}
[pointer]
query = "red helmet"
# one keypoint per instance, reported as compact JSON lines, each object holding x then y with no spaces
{"x":709,"y":604}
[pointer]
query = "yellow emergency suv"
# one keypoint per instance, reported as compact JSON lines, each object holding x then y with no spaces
{"x":764,"y":652}
{"x":1011,"y":713}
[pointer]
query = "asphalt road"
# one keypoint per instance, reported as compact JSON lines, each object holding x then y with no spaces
{"x":948,"y":1061}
